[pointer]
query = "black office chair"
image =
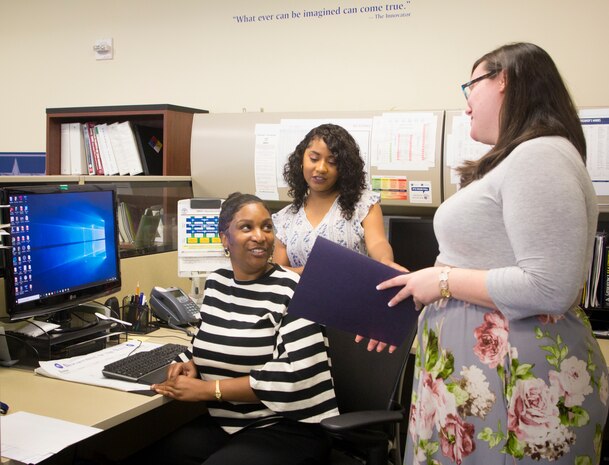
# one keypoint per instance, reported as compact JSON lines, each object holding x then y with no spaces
{"x":373,"y":394}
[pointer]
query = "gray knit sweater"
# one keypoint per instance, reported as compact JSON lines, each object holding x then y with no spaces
{"x":531,"y":221}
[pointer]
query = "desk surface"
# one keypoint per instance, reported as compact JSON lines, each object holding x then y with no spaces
{"x":604,"y":344}
{"x":103,"y":408}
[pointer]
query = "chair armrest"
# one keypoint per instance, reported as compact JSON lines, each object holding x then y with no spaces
{"x":352,"y":420}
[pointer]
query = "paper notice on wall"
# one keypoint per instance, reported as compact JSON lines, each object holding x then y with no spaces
{"x":595,"y":123}
{"x":265,"y":161}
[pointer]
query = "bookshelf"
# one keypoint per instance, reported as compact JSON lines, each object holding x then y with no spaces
{"x":174,"y":121}
{"x":599,"y":314}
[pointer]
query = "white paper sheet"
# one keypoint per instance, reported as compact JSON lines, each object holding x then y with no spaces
{"x":31,"y":438}
{"x":87,"y":369}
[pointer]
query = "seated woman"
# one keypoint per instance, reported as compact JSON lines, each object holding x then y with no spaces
{"x":264,"y":375}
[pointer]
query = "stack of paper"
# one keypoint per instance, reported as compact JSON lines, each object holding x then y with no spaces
{"x":87,"y":369}
{"x":31,"y":438}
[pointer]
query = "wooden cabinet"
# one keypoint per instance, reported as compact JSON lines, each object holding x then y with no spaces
{"x":174,"y":121}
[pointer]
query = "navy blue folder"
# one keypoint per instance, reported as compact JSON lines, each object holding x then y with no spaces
{"x":338,"y":289}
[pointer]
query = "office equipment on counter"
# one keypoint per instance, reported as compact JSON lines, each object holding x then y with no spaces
{"x":174,"y":306}
{"x":338,"y":289}
{"x":200,"y":249}
{"x":63,"y":247}
{"x":137,"y":314}
{"x":199,"y":246}
{"x":148,"y":367}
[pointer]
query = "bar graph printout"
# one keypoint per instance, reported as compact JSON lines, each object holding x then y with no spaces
{"x":404,"y":141}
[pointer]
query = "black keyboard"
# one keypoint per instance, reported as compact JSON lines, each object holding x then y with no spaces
{"x":147,"y":367}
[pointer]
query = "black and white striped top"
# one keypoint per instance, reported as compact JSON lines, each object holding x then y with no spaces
{"x":246,"y":330}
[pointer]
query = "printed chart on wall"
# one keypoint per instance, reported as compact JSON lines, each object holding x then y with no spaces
{"x":460,"y":146}
{"x":391,"y":145}
{"x":595,"y":123}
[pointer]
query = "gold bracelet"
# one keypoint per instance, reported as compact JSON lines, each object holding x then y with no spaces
{"x":218,"y":392}
{"x":444,"y":290}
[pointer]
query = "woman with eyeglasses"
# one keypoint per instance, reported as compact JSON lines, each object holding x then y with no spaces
{"x":508,"y":368}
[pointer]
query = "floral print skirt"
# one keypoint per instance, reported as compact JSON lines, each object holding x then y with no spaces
{"x":492,"y":391}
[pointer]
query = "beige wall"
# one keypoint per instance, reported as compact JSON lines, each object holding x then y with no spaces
{"x":193,"y":53}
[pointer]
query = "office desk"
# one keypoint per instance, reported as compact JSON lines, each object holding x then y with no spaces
{"x":604,"y":345}
{"x":129,"y":420}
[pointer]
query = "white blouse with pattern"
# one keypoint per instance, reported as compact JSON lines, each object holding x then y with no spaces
{"x":297,"y":234}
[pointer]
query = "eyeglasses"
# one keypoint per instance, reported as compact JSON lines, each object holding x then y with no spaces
{"x":467,"y":87}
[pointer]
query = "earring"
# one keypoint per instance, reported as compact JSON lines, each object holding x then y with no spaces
{"x":226,"y":253}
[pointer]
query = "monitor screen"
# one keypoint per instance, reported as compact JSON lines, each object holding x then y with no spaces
{"x":413,"y":241}
{"x":63,"y":247}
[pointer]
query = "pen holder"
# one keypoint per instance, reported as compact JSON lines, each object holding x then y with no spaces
{"x":136,"y":314}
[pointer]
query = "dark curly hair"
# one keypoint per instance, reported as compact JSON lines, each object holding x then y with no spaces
{"x":351,"y":179}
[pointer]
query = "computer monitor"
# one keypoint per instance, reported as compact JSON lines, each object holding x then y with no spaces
{"x":62,"y":247}
{"x":413,"y":241}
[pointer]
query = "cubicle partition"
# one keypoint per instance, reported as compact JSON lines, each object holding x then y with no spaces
{"x":247,"y":151}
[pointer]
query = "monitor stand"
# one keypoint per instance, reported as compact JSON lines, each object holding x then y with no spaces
{"x":68,"y":321}
{"x":81,"y":332}
{"x":5,"y":356}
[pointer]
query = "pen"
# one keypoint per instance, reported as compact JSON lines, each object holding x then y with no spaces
{"x":137,"y":289}
{"x":141,"y":298}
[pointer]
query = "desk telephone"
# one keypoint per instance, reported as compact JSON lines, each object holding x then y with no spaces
{"x":173,"y":306}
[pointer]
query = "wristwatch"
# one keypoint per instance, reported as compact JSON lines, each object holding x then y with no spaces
{"x":444,"y":290}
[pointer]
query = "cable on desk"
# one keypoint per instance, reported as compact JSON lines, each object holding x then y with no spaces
{"x":24,"y":342}
{"x":113,"y":312}
{"x":135,"y":348}
{"x":165,"y":336}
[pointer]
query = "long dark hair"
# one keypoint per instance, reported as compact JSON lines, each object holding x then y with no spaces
{"x":232,"y":205}
{"x":536,"y":103}
{"x":351,"y":177}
